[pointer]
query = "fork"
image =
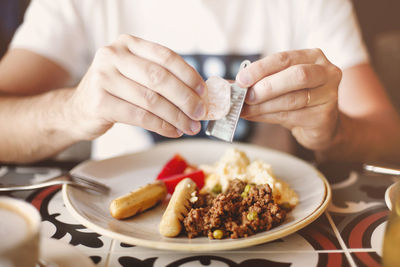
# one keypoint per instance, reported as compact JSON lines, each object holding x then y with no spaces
{"x":66,"y":178}
{"x":382,"y":168}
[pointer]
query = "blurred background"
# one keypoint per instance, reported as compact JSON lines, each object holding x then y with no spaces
{"x":379,"y":21}
{"x":11,"y":15}
{"x":380,"y":26}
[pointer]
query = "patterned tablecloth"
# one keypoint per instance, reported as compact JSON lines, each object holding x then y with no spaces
{"x":349,"y":233}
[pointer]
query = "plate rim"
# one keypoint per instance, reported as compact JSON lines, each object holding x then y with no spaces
{"x":388,"y":194}
{"x":239,"y":243}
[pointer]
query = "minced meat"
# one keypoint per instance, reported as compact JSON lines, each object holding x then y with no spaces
{"x":237,"y":212}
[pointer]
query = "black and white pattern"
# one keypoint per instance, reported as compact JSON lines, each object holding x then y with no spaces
{"x":350,"y":233}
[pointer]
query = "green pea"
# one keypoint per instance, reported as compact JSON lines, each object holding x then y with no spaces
{"x":218,"y":234}
{"x":247,"y":188}
{"x":217,"y":189}
{"x":252,"y":215}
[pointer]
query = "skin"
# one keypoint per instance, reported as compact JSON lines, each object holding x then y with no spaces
{"x":132,"y":81}
{"x":340,"y":115}
{"x":140,"y":83}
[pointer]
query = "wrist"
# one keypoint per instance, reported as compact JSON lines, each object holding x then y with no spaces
{"x":338,"y":142}
{"x":82,"y":123}
{"x":59,"y":121}
{"x":361,"y":140}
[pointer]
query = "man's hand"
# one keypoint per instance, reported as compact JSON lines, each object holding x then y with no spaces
{"x":297,"y":89}
{"x":140,"y":83}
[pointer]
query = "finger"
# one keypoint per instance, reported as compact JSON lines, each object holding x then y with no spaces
{"x":151,"y":101}
{"x":299,"y":117}
{"x":292,"y":101}
{"x":277,"y":62}
{"x":167,"y":58}
{"x":127,"y":113}
{"x":299,"y":99}
{"x":293,"y":78}
{"x":160,"y":80}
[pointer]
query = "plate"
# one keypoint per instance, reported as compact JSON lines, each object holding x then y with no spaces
{"x":128,"y":172}
{"x":389,"y":195}
{"x":54,"y":252}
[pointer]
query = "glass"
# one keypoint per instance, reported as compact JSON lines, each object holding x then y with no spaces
{"x":391,"y":242}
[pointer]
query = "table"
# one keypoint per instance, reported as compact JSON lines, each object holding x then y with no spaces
{"x":349,"y":233}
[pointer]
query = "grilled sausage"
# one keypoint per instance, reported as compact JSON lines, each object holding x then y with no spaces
{"x":177,"y":208}
{"x":138,"y":200}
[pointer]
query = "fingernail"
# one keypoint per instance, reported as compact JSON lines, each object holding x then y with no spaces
{"x":195,"y":126}
{"x":199,"y":112}
{"x":179,"y":132}
{"x":243,"y":78}
{"x":250,"y":96}
{"x":200,"y":89}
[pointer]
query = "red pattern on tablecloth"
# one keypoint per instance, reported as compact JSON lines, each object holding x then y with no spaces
{"x":38,"y":199}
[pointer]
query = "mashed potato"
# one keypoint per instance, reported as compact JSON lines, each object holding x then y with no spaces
{"x":235,"y":164}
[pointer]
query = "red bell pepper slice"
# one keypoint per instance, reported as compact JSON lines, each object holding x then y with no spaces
{"x":175,"y":165}
{"x":171,"y":181}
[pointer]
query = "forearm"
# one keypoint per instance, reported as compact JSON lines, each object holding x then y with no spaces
{"x":365,"y":140}
{"x":35,"y":127}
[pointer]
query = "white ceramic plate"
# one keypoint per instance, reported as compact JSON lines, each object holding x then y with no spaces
{"x":125,"y":173}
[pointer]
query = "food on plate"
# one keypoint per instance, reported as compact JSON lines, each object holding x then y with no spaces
{"x":231,"y":198}
{"x":138,"y":201}
{"x":218,"y":101}
{"x":176,"y":165}
{"x":174,"y":171}
{"x":240,"y":198}
{"x":171,"y":181}
{"x":235,"y":164}
{"x":177,"y":209}
{"x":242,"y":210}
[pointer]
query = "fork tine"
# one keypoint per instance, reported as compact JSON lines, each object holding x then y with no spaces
{"x":89,"y":181}
{"x":89,"y":186}
{"x":94,"y":184}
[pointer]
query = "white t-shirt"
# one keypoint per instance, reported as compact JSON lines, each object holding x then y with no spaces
{"x":70,"y":31}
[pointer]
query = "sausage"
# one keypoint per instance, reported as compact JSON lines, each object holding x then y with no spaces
{"x":139,"y":200}
{"x":177,"y":208}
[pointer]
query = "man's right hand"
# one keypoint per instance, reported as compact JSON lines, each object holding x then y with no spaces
{"x":140,"y":83}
